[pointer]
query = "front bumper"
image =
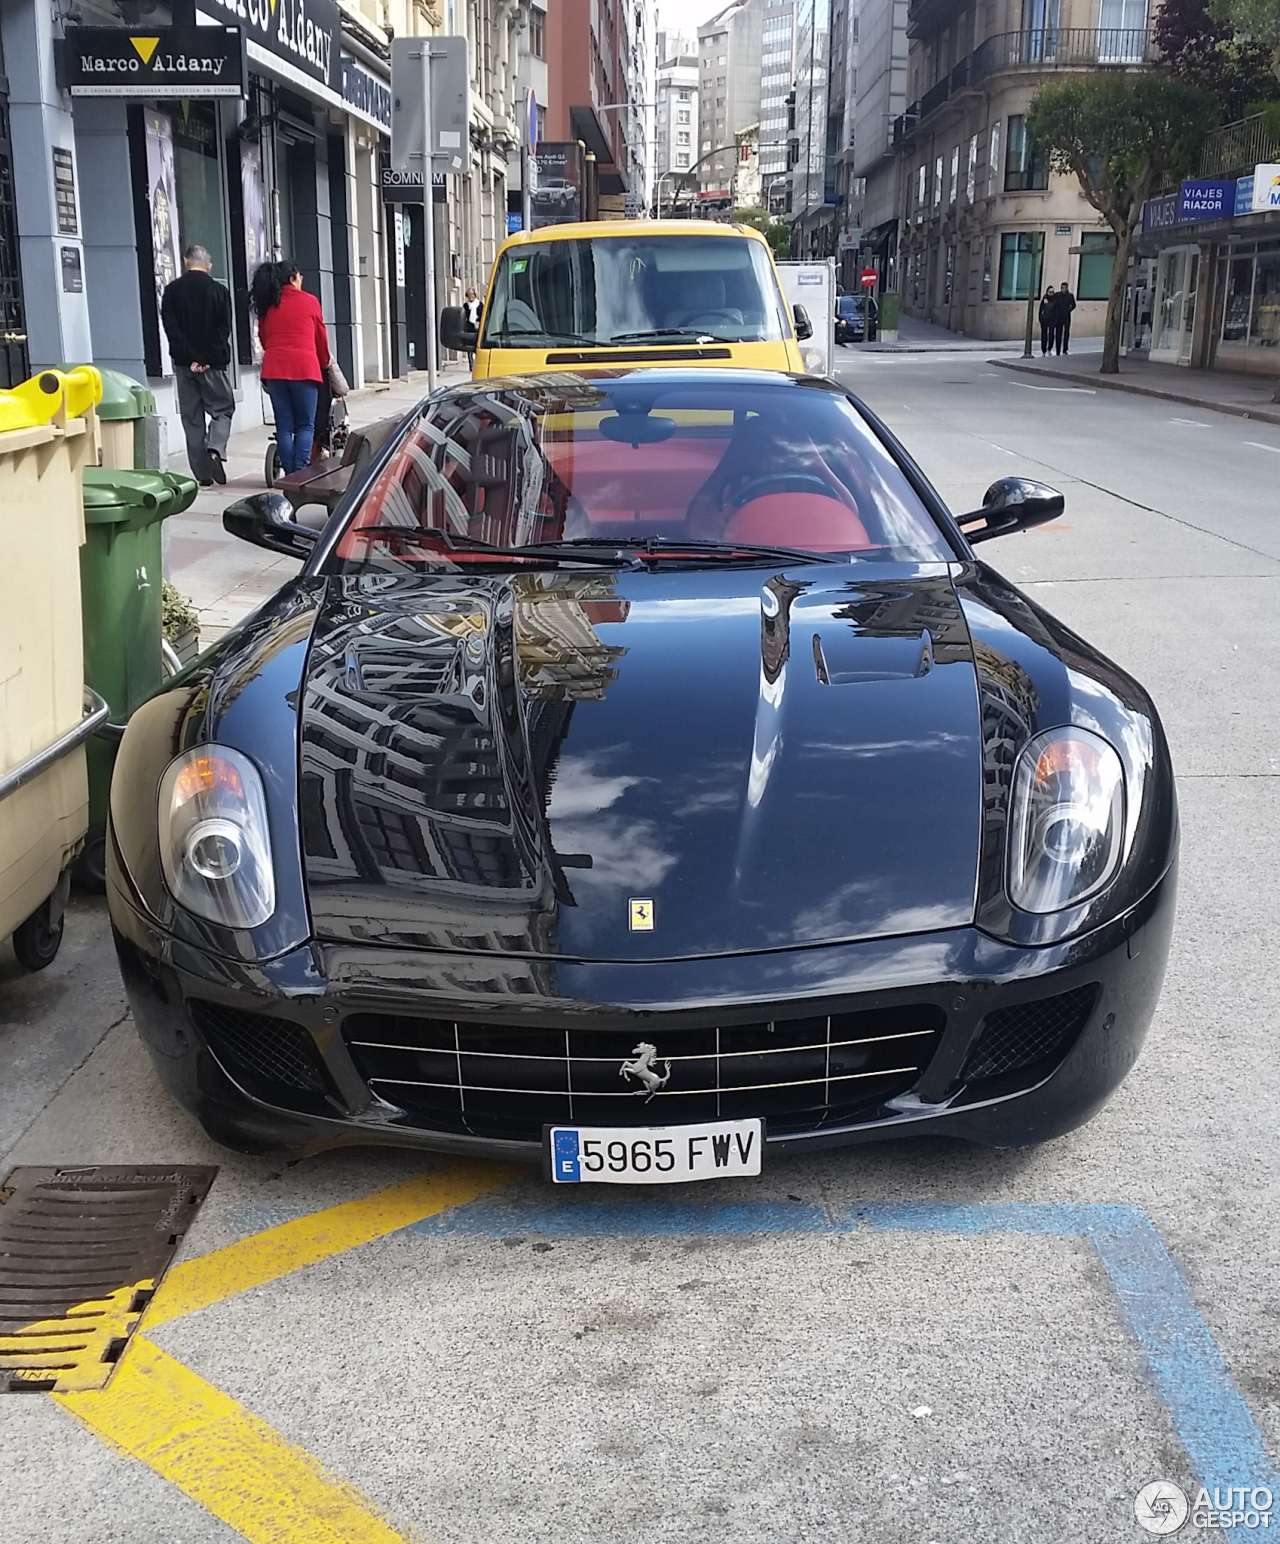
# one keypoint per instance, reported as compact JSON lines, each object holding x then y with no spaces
{"x":965,"y":980}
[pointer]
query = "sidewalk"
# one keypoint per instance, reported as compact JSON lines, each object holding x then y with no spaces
{"x":1215,"y":391}
{"x":224,"y":577}
{"x":916,"y":336}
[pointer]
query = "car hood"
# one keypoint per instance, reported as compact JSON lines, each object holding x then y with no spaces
{"x":641,"y":765}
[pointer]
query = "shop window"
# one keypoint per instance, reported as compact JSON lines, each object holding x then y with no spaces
{"x":1019,"y":251}
{"x":1239,"y":304}
{"x":1097,"y":259}
{"x":199,"y":183}
{"x":1026,"y":167}
{"x":1265,"y":327}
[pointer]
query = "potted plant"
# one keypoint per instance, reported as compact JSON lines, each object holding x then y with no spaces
{"x":180,"y":623}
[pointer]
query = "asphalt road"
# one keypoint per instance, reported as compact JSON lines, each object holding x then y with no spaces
{"x":916,"y":1342}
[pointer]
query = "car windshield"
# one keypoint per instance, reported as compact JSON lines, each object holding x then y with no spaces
{"x":641,"y":469}
{"x":849,"y":305}
{"x":611,"y":289}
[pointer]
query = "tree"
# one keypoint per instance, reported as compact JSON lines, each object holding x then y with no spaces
{"x":1122,"y":135}
{"x":1257,"y":21}
{"x":1206,"y":51}
{"x":776,"y":232}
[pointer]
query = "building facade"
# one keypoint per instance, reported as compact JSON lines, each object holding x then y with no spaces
{"x":777,"y":84}
{"x":984,"y":222}
{"x":728,"y":95}
{"x":842,"y":177}
{"x":880,"y":100}
{"x":675,"y":116}
{"x":591,"y":70}
{"x":812,"y":154}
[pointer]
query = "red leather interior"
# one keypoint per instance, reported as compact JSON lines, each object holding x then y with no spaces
{"x":808,"y":520}
{"x":617,"y":483}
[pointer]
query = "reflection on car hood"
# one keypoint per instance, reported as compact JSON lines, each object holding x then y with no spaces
{"x":640,"y":765}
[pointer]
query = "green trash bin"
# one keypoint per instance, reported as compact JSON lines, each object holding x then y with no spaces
{"x":120,"y":597}
{"x":127,"y":421}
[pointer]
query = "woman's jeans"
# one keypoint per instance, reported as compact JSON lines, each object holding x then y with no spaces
{"x":294,"y":406}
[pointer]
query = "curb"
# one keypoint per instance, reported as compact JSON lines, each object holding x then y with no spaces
{"x":1263,"y":414}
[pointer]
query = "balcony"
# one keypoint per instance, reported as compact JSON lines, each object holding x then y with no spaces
{"x":1042,"y":48}
{"x":1236,"y":148}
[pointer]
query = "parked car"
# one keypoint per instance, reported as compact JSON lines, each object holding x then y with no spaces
{"x":644,"y":771}
{"x":625,"y":292}
{"x":856,"y":317}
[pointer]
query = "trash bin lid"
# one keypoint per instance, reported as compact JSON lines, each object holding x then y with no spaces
{"x":122,"y":396}
{"x":116,"y":496}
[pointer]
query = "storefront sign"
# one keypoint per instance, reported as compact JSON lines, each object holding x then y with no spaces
{"x":367,"y":96}
{"x":1201,"y":200}
{"x":163,"y":62}
{"x":72,"y":271}
{"x":304,"y":33}
{"x":406,"y":187}
{"x":1244,"y":195}
{"x":1160,"y":214}
{"x":1266,"y":187}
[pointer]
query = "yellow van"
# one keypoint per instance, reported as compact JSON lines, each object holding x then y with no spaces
{"x":634,"y":292}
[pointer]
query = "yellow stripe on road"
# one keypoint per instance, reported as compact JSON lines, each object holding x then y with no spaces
{"x":223,"y":1456}
{"x":307,"y":1240}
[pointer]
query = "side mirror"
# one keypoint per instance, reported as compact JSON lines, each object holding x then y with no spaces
{"x":454,"y":332}
{"x":266,"y":520}
{"x":804,"y":327}
{"x":1012,"y":504}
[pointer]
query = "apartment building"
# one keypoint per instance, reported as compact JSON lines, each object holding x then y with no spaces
{"x":812,"y":160}
{"x":879,"y":102}
{"x":728,"y":94}
{"x":985,"y":223}
{"x":675,"y":117}
{"x":777,"y":78}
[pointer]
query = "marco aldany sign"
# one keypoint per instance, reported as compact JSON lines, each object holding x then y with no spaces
{"x":160,"y":62}
{"x":304,"y":33}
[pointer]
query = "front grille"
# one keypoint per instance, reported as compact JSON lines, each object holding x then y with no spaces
{"x":273,"y":1059}
{"x":496,"y":1081}
{"x":1024,"y":1034}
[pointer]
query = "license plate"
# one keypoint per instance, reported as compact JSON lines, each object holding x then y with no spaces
{"x":654,"y":1155}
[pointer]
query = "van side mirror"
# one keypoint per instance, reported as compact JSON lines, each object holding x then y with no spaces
{"x":454,"y":332}
{"x":266,"y":520}
{"x":1012,"y":504}
{"x":804,"y":327}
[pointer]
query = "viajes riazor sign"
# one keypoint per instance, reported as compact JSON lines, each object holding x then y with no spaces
{"x":154,"y":62}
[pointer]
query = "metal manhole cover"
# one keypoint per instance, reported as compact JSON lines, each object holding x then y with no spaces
{"x":81,"y":1254}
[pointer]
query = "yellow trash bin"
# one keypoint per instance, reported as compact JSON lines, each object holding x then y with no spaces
{"x":44,"y":715}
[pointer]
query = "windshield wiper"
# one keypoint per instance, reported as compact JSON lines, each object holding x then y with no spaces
{"x":697,"y":333}
{"x":424,"y":536}
{"x":645,"y":547}
{"x":521,"y":339}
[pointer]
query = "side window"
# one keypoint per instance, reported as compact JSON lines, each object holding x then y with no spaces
{"x":1097,"y":259}
{"x":1026,"y":167}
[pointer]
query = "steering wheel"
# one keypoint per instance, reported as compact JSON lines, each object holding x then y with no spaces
{"x":782,"y":482}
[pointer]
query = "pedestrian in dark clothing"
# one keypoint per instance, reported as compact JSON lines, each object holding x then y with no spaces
{"x":196,"y":312}
{"x":1046,"y":320}
{"x":1064,"y":303}
{"x":295,"y":357}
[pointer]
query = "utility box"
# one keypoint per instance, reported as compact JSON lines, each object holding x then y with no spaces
{"x":890,"y":309}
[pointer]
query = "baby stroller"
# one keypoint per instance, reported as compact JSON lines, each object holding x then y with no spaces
{"x":332,"y":430}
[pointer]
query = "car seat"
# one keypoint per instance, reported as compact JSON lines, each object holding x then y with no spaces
{"x":809,"y":520}
{"x":699,"y":301}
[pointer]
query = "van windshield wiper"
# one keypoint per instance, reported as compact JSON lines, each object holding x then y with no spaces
{"x":699,"y":334}
{"x":522,"y":339}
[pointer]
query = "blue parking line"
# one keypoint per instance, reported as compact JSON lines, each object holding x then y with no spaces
{"x":1213,"y":1422}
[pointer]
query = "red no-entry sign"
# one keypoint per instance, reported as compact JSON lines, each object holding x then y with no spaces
{"x":869,"y":278}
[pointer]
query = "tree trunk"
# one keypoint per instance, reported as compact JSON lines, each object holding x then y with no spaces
{"x":1115,"y":303}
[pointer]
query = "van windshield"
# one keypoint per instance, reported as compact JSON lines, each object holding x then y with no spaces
{"x":619,"y":289}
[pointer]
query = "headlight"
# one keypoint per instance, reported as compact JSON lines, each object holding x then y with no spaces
{"x":1066,"y":828}
{"x":214,"y":845}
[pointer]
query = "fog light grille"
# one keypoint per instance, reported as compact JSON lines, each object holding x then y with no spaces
{"x":1023,"y":1034}
{"x":265,"y":1054}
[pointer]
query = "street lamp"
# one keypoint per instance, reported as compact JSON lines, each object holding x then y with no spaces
{"x":769,"y":187}
{"x":658,"y":192}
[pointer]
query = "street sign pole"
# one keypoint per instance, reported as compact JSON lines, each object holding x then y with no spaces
{"x":1033,"y":291}
{"x":528,"y":145}
{"x":428,"y":218}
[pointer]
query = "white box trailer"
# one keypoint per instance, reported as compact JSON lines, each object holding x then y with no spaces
{"x":813,"y":286}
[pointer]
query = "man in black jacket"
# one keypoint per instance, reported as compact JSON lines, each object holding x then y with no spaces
{"x":1064,"y":303}
{"x":196,"y":312}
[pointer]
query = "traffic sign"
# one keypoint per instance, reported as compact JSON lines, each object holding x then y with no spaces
{"x":868,"y":278}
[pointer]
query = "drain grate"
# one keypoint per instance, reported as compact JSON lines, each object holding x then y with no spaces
{"x":81,"y":1254}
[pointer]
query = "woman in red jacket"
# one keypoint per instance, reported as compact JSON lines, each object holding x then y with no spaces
{"x":295,"y":356}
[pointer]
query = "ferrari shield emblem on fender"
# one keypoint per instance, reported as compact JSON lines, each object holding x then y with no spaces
{"x":641,"y":915}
